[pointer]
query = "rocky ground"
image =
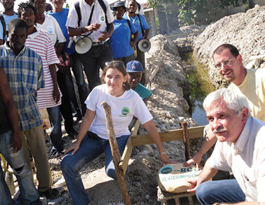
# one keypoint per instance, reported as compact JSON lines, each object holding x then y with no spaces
{"x":169,"y":109}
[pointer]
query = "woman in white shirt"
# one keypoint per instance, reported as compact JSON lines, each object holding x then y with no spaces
{"x":92,"y":139}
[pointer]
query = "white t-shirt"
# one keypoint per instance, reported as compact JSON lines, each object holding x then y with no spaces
{"x":123,"y":108}
{"x":97,"y":17}
{"x":245,"y":158}
{"x":51,"y":25}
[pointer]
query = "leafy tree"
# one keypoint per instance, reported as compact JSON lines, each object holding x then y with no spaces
{"x":190,"y":9}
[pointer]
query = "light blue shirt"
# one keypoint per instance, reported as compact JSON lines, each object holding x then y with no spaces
{"x":7,"y":20}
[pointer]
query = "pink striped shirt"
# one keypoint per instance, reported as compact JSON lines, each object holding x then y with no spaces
{"x":41,"y":43}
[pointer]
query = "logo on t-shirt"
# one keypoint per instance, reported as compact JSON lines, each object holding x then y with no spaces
{"x":125,"y":111}
{"x":49,"y":29}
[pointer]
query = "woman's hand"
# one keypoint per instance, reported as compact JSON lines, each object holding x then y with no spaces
{"x":73,"y":147}
{"x":165,"y":159}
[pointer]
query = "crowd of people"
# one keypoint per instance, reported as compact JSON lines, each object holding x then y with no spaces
{"x":37,"y":55}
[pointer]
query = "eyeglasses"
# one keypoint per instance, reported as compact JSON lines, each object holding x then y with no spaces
{"x":226,"y":62}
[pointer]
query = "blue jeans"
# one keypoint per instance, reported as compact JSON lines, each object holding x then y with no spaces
{"x":56,"y":133}
{"x":88,"y":150}
{"x":27,"y":189}
{"x":227,"y":191}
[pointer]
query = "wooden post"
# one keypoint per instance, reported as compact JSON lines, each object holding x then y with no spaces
{"x":115,"y":153}
{"x":186,"y":140}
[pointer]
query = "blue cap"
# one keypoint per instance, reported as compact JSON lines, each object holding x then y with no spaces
{"x":118,"y":4}
{"x":134,"y":66}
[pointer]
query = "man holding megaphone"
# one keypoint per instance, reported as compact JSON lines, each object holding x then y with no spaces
{"x":90,"y":22}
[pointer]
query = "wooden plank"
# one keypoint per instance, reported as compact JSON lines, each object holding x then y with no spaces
{"x":135,"y":128}
{"x":186,"y":140}
{"x":126,"y":156}
{"x":115,"y":153}
{"x":172,"y":135}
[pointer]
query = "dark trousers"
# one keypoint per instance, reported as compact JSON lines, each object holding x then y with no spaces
{"x":94,"y":59}
{"x":78,"y":71}
{"x":126,"y":59}
{"x":65,"y":107}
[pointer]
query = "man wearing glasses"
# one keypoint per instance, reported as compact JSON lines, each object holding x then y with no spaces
{"x":250,"y":82}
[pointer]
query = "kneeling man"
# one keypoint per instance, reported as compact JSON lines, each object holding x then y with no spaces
{"x":240,"y":148}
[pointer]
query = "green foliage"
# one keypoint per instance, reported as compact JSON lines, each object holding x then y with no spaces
{"x":190,"y":9}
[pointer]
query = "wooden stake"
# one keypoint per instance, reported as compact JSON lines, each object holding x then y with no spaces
{"x":115,"y":153}
{"x":186,"y":140}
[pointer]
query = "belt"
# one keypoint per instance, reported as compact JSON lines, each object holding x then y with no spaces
{"x":99,"y":43}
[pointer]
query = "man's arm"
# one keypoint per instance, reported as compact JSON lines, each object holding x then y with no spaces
{"x":81,"y":30}
{"x":60,"y":49}
{"x":106,"y":35}
{"x":6,"y":94}
{"x":207,"y":173}
{"x":146,"y":34}
{"x":56,"y":93}
{"x":135,"y":38}
{"x":210,"y":140}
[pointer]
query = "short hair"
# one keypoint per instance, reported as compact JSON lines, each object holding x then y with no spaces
{"x":24,"y":6}
{"x":17,"y":23}
{"x":233,"y":100}
{"x":234,"y":51}
{"x":119,"y":65}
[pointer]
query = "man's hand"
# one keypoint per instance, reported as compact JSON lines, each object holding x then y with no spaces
{"x":194,"y":184}
{"x":132,"y":43}
{"x":195,"y":160}
{"x":16,"y":143}
{"x":93,"y":27}
{"x":104,"y":35}
{"x":56,"y":94}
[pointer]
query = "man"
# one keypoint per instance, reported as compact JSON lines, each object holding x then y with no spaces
{"x":143,"y":29}
{"x":228,"y":63}
{"x":60,"y":14}
{"x":135,"y":71}
{"x":240,"y":148}
{"x":49,"y":23}
{"x":5,"y":18}
{"x":24,"y":72}
{"x":97,"y":24}
{"x":10,"y":148}
{"x":121,"y":42}
{"x":40,"y":41}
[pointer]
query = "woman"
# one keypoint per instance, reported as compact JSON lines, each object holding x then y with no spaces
{"x":124,"y":103}
{"x":121,"y":43}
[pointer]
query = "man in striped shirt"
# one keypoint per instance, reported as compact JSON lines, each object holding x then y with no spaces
{"x":25,"y":75}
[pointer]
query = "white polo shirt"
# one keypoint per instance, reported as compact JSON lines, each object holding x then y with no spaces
{"x":245,"y":158}
{"x":97,"y":17}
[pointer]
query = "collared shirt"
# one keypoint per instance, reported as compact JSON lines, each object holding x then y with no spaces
{"x":253,"y":87}
{"x":25,"y":76}
{"x":97,"y":17}
{"x":245,"y":158}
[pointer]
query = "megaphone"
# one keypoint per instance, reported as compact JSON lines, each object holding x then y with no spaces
{"x":144,"y":45}
{"x":82,"y":44}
